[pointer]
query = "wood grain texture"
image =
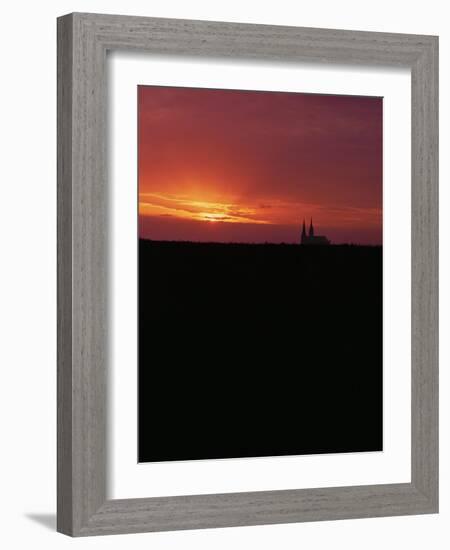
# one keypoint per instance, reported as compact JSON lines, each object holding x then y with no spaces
{"x":424,"y":276}
{"x":83,"y":318}
{"x":257,"y":508}
{"x":64,"y":299}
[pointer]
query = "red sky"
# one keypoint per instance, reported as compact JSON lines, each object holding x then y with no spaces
{"x":245,"y":166}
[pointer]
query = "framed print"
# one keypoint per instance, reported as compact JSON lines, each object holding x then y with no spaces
{"x":247,"y":274}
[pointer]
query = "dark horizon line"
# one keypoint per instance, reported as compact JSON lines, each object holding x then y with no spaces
{"x":259,"y":244}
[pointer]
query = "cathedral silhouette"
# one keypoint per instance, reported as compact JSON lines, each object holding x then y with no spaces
{"x":310,"y":238}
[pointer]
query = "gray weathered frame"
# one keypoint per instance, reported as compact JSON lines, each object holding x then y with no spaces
{"x":83,"y":40}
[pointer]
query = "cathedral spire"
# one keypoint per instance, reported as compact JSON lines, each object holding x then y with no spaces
{"x":311,"y":239}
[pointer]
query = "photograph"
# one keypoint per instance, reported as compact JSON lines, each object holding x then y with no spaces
{"x":260,"y":291}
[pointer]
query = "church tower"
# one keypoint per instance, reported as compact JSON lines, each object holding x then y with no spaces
{"x":311,"y":239}
{"x":303,"y":239}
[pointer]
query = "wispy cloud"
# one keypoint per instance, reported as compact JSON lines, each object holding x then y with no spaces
{"x":277,"y":212}
{"x":184,"y":207}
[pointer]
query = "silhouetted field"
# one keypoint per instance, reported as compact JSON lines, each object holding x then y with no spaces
{"x":258,"y":350}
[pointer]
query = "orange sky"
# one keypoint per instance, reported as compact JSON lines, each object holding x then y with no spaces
{"x":238,"y":166}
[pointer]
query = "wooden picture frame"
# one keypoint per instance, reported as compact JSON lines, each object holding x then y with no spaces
{"x":83,"y":40}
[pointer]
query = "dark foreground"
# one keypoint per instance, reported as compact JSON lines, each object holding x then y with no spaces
{"x":258,"y":350}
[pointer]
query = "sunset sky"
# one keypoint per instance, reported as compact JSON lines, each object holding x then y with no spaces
{"x":245,"y":166}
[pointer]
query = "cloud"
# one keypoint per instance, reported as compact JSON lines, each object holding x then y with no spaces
{"x":182,"y":207}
